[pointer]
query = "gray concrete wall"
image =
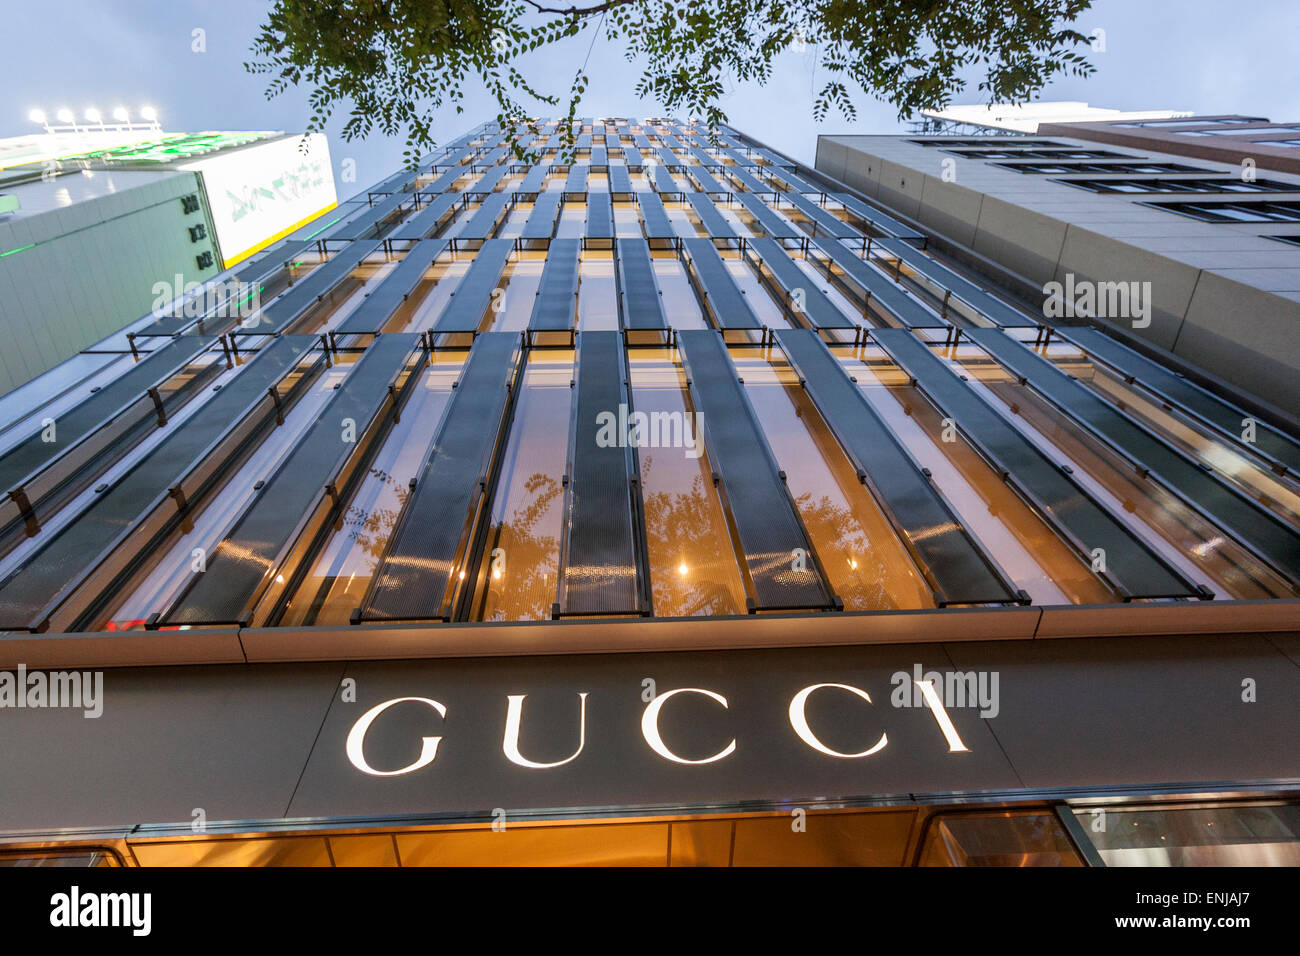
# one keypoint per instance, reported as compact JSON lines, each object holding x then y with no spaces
{"x":90,"y":271}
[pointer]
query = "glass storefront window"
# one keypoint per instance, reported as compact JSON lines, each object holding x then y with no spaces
{"x":1226,"y":835}
{"x":89,"y":858}
{"x":1012,"y":838}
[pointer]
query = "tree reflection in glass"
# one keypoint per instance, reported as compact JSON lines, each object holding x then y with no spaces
{"x":522,"y":553}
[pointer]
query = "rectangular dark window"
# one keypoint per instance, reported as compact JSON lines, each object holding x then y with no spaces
{"x":1011,"y":142}
{"x":1228,"y":184}
{"x":1080,"y":167}
{"x":1254,"y":131}
{"x":1259,"y":211}
{"x":1179,"y":122}
{"x":1062,"y":153}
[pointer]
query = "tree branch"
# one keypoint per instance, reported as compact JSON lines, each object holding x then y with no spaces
{"x":583,"y":11}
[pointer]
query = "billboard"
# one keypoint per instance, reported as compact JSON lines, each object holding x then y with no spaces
{"x":262,"y":192}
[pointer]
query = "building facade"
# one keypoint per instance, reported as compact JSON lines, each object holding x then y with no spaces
{"x":662,"y":502}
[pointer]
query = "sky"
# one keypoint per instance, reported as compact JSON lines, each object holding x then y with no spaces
{"x":1207,"y":56}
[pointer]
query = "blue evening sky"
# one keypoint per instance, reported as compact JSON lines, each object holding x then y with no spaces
{"x":1209,"y":56}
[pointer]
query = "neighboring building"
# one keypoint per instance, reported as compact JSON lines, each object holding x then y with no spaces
{"x":92,"y":220}
{"x":670,"y":503}
{"x":1218,"y":241}
{"x":1027,"y":117}
{"x":1239,"y":141}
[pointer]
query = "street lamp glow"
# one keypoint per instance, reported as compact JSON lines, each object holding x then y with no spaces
{"x":37,"y":116}
{"x":149,"y":113}
{"x":92,"y":115}
{"x":121,"y":115}
{"x":65,"y":116}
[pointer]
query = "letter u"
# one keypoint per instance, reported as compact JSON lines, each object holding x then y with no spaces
{"x":510,"y":743}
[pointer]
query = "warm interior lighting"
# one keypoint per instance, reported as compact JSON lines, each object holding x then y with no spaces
{"x":853,"y":563}
{"x":682,"y":569}
{"x":462,"y":575}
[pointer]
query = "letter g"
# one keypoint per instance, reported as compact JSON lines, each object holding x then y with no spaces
{"x":357,"y":739}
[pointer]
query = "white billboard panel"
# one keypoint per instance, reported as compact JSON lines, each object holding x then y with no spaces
{"x":262,"y":192}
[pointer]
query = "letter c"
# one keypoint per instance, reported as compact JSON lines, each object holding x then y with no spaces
{"x":799,"y":721}
{"x":357,"y":739}
{"x":650,"y":726}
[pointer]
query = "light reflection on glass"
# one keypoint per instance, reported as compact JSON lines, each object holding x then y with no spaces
{"x":573,"y":220}
{"x":681,"y":307}
{"x":341,"y":572}
{"x":447,"y":274}
{"x":769,"y":312}
{"x":1035,"y":558}
{"x":521,"y":279}
{"x":513,"y":227}
{"x":693,"y":568}
{"x":345,"y":299}
{"x":172,"y":569}
{"x":1162,"y":520}
{"x":528,"y":505}
{"x":1255,"y":479}
{"x":867,"y":565}
{"x":597,"y":292}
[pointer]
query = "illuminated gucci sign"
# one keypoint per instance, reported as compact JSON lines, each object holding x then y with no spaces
{"x":800,"y":725}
